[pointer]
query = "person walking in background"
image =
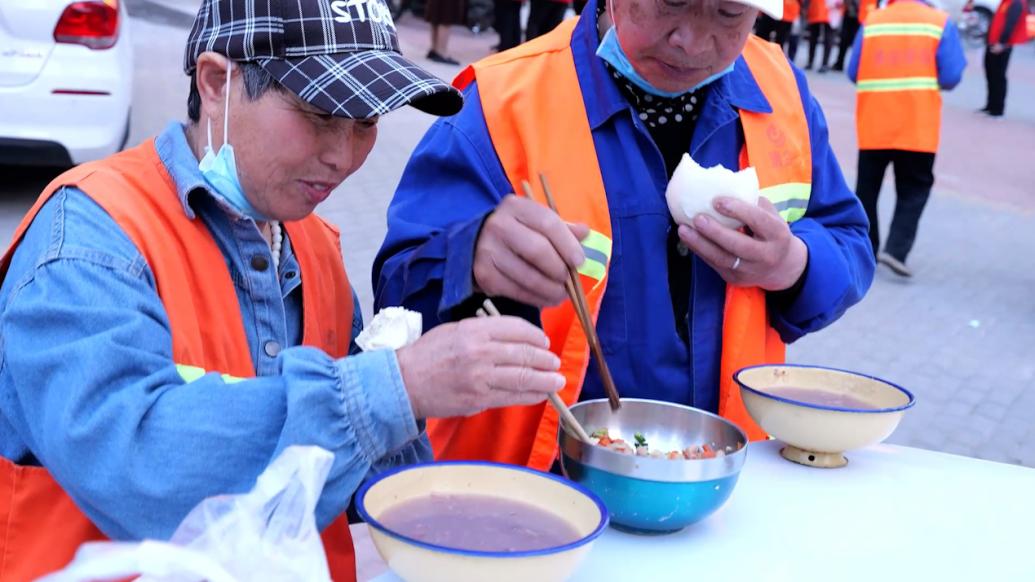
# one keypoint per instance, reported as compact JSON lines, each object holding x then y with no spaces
{"x":508,"y":23}
{"x":544,"y":16}
{"x":819,"y":26}
{"x":1007,"y":29}
{"x":791,"y":13}
{"x":902,"y":58}
{"x":441,"y":15}
{"x":794,"y":37}
{"x":849,"y":27}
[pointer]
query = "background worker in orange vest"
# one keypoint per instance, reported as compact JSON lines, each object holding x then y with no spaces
{"x":142,"y":279}
{"x":819,"y":27}
{"x":1006,"y":31}
{"x":904,"y":55}
{"x":791,"y":16}
{"x":606,"y":106}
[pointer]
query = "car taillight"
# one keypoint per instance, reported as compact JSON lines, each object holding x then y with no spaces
{"x":94,"y":24}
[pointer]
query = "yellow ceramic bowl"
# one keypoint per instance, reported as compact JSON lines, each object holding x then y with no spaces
{"x":818,"y":434}
{"x":417,"y":561}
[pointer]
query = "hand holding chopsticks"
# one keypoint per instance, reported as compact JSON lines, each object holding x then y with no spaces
{"x":489,"y":309}
{"x":523,"y":251}
{"x":578,"y":299}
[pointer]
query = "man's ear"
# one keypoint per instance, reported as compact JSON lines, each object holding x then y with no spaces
{"x":210,"y":77}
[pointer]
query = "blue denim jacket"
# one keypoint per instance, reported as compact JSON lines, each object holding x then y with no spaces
{"x":89,"y":389}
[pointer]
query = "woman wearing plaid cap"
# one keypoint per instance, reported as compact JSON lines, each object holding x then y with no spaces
{"x":175,"y":316}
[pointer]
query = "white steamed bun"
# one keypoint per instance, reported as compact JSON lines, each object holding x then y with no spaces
{"x":693,"y":189}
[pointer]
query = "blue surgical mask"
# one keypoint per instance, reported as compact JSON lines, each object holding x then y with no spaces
{"x":611,"y":51}
{"x":220,"y":169}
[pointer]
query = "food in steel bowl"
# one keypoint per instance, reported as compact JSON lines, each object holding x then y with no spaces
{"x":646,"y":494}
{"x":641,"y":448}
{"x":476,"y":521}
{"x":821,"y":412}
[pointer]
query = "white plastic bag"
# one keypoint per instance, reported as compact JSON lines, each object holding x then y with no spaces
{"x":267,"y":534}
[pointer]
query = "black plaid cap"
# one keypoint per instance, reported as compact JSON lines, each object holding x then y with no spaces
{"x":341,"y":56}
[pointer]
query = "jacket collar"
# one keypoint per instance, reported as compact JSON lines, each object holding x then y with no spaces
{"x":737,"y":90}
{"x":178,"y":158}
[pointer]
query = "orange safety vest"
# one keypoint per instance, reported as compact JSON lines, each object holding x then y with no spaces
{"x":791,"y":10}
{"x":1020,"y":33}
{"x":40,"y":526}
{"x":898,"y":101}
{"x":818,"y":12}
{"x":535,"y":131}
{"x":865,"y":8}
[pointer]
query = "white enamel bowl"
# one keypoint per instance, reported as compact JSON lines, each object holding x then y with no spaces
{"x":819,"y":435}
{"x":417,"y":561}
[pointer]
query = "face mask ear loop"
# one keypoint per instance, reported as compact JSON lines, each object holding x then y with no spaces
{"x":208,"y":125}
{"x":611,"y":13}
{"x":226,"y":107}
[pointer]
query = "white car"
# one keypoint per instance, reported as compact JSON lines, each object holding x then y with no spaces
{"x":66,"y":71}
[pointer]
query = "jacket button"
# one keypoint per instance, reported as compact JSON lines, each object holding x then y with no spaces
{"x":260,"y":263}
{"x":272,"y":348}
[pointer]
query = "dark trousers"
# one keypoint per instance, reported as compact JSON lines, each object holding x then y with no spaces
{"x":849,"y":28}
{"x":508,"y":23}
{"x":815,"y":31}
{"x":783,"y":34}
{"x":765,"y":27}
{"x":914,"y":176}
{"x":544,"y":16}
{"x":578,"y":5}
{"x":792,"y":44}
{"x":995,"y":74}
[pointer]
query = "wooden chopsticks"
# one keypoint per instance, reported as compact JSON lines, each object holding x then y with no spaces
{"x":489,"y":309}
{"x":578,"y":299}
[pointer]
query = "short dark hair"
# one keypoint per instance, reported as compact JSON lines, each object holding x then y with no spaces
{"x":257,"y":82}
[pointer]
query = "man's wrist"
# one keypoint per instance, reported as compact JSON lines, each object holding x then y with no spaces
{"x":793,"y":269}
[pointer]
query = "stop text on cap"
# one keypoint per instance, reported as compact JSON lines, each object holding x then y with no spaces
{"x":375,"y":10}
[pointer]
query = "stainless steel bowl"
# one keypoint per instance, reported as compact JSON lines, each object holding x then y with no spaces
{"x":648,"y":495}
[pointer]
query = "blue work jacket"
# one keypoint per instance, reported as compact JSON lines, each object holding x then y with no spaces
{"x":454,"y":180}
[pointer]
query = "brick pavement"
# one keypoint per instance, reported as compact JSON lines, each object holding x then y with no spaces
{"x":961,"y":334}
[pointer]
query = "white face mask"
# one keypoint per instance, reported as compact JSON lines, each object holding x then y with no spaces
{"x":220,"y":169}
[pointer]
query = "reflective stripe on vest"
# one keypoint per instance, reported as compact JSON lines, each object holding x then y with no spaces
{"x":40,"y":526}
{"x":548,"y":132}
{"x":902,"y":84}
{"x":903,"y":29}
{"x":597,"y":248}
{"x":192,"y":373}
{"x":791,"y":200}
{"x":898,"y":99}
